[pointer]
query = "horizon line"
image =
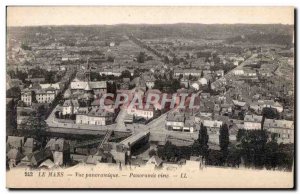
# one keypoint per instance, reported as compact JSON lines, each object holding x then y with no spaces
{"x":118,"y":24}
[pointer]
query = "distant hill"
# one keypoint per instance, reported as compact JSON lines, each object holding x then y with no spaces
{"x":148,"y":31}
{"x":270,"y":38}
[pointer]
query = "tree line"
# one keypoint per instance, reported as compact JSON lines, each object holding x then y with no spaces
{"x":254,"y":149}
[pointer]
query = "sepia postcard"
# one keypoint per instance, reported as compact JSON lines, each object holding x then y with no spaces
{"x":139,"y":97}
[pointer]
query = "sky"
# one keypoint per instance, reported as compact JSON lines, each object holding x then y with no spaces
{"x":72,"y":15}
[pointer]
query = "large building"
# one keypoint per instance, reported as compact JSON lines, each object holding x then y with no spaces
{"x":179,"y":122}
{"x":70,"y":107}
{"x":283,"y":128}
{"x":252,"y":122}
{"x":94,"y":117}
{"x":26,"y":96}
{"x":45,"y":95}
{"x":98,"y":87}
{"x":41,"y":93}
{"x":187,"y":72}
{"x":114,"y":72}
{"x":143,"y":112}
{"x":260,"y":104}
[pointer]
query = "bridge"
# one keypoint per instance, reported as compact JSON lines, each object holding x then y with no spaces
{"x":135,"y":138}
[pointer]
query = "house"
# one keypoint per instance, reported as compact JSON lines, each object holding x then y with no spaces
{"x":184,"y":82}
{"x":238,"y":103}
{"x":196,"y":86}
{"x":249,"y":73}
{"x":95,"y":116}
{"x":283,"y":128}
{"x":115,"y":72}
{"x":142,"y":111}
{"x":14,"y":142}
{"x":203,"y":81}
{"x":45,"y":95}
{"x":60,"y":149}
{"x":226,"y":108}
{"x":179,"y":121}
{"x":260,"y":104}
{"x":36,"y":158}
{"x":108,"y":104}
{"x":29,"y":146}
{"x":238,"y":72}
{"x":125,"y":85}
{"x":155,"y":162}
{"x":204,"y":95}
{"x":212,"y":124}
{"x":149,"y":81}
{"x":47,"y":164}
{"x":128,"y":119}
{"x":98,"y":87}
{"x":175,"y":121}
{"x":252,"y":122}
{"x":26,"y":96}
{"x":219,"y":84}
{"x":265,"y":72}
{"x":70,"y":107}
{"x":189,"y":125}
{"x":67,"y":94}
{"x":112,"y":44}
{"x":187,"y":72}
{"x":56,"y":87}
{"x":42,"y":93}
{"x":219,"y":73}
{"x":14,"y":156}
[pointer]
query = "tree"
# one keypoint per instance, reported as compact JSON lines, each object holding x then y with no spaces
{"x":173,"y":153}
{"x":50,"y":76}
{"x":141,"y":57}
{"x":271,"y":154}
{"x":234,"y":157}
{"x":95,"y":76}
{"x":270,"y":113}
{"x":152,"y":153}
{"x":111,"y":88}
{"x":57,"y":114}
{"x":13,"y":92}
{"x":33,"y":94}
{"x":125,"y":74}
{"x":158,"y":84}
{"x":224,"y":141}
{"x":24,"y":46}
{"x":203,"y":141}
{"x":11,"y":117}
{"x":175,"y":85}
{"x":166,"y":60}
{"x":253,"y":147}
{"x":41,"y":111}
{"x":35,"y":124}
{"x":110,"y":59}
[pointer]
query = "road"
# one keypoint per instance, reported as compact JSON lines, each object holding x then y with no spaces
{"x":120,"y":120}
